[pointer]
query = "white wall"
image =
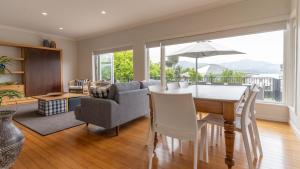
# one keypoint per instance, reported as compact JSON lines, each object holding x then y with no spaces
{"x":295,"y":113}
{"x":241,"y":14}
{"x":34,"y":38}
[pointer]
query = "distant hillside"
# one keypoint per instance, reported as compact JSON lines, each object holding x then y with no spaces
{"x":246,"y":65}
{"x":251,"y":66}
{"x":187,"y":64}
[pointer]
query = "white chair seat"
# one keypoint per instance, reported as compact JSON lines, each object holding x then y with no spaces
{"x":217,"y":119}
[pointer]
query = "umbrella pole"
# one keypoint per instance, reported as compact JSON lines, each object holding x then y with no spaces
{"x":196,"y":70}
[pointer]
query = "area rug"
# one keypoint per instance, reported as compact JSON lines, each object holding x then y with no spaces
{"x":28,"y":116}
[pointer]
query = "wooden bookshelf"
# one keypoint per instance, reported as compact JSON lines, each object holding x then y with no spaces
{"x":37,"y":63}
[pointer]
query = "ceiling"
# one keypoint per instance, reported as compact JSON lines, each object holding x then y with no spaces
{"x":83,"y":18}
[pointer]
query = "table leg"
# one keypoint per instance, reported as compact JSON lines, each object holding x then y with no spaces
{"x":229,"y":130}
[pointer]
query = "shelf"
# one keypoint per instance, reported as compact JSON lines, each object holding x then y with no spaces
{"x":15,"y":72}
{"x":2,"y":43}
{"x":16,"y":58}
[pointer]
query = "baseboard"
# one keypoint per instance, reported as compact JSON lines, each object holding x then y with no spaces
{"x":297,"y":131}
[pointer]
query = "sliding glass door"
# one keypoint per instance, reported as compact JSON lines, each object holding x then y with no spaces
{"x":236,"y":60}
{"x":114,"y":66}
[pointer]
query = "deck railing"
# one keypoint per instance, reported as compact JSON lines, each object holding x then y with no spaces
{"x":270,"y":88}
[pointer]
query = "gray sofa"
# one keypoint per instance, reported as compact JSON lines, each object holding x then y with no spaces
{"x":125,"y":102}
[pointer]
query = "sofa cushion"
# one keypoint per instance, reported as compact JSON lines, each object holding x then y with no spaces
{"x":76,"y":87}
{"x":120,"y":87}
{"x":100,"y":91}
{"x":133,"y":85}
{"x":79,"y":82}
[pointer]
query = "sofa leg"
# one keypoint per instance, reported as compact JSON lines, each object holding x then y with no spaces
{"x":117,"y":130}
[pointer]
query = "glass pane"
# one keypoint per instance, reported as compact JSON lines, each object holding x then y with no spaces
{"x":154,"y":65}
{"x":240,"y":60}
{"x":106,"y":62}
{"x":180,"y":68}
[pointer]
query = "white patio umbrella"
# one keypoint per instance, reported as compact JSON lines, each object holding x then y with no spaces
{"x":203,"y":49}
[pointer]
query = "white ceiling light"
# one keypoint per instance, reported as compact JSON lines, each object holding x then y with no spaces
{"x":61,"y":28}
{"x":44,"y":13}
{"x":103,"y":12}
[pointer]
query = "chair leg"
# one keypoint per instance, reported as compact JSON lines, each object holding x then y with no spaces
{"x":218,"y":134}
{"x":256,"y":133}
{"x":254,"y":147}
{"x":202,"y":143}
{"x":87,"y":124}
{"x":180,"y":146}
{"x":247,"y":147}
{"x":195,"y":153}
{"x":149,"y":135}
{"x":206,"y":145}
{"x":212,"y":134}
{"x":150,"y":150}
{"x":117,"y":130}
{"x":172,"y":142}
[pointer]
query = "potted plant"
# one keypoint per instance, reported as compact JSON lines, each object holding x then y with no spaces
{"x":11,"y":138}
{"x":4,"y":60}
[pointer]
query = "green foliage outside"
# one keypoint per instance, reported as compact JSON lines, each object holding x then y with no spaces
{"x":123,"y":66}
{"x":176,"y":73}
{"x":230,"y":76}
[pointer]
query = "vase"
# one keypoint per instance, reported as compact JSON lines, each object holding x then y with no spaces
{"x":46,"y":43}
{"x":52,"y":44}
{"x":11,"y":140}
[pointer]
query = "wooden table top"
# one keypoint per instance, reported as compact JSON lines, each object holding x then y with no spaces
{"x":63,"y":96}
{"x":208,"y":92}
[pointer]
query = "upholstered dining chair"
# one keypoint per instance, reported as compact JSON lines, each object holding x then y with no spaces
{"x":175,"y":116}
{"x":245,"y":124}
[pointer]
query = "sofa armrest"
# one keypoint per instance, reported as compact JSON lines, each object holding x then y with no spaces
{"x":133,"y":104}
{"x":101,"y":112}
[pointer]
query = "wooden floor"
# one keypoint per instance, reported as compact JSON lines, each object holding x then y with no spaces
{"x":88,"y":147}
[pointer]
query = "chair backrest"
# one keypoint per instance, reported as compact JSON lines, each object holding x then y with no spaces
{"x":248,"y":109}
{"x":173,"y":85}
{"x":184,"y":84}
{"x":174,"y":115}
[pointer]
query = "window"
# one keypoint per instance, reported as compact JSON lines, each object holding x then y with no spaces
{"x":154,"y":57}
{"x":115,"y":66}
{"x":237,"y":60}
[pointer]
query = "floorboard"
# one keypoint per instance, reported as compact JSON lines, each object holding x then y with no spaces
{"x":89,"y":147}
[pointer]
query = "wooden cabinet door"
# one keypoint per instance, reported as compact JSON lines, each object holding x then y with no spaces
{"x":42,"y":71}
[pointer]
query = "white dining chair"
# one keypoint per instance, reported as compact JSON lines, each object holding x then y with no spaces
{"x":245,"y":124}
{"x":175,"y":116}
{"x":184,"y":84}
{"x":173,"y":85}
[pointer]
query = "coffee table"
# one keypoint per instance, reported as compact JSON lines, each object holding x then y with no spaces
{"x":57,"y":103}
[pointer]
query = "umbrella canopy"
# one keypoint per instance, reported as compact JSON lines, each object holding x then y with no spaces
{"x":203,"y":49}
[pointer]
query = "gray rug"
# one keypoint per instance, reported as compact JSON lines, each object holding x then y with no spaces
{"x":28,"y":116}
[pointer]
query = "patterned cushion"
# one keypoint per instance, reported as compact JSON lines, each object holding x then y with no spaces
{"x":80,"y":82}
{"x":99,"y":91}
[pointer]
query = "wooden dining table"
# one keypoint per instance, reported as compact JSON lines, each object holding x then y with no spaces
{"x":218,"y":99}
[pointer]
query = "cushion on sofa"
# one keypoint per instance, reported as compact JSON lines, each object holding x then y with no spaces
{"x":120,"y":87}
{"x":100,"y":91}
{"x":133,"y":85}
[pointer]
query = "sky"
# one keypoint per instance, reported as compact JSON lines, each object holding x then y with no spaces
{"x":267,"y":47}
